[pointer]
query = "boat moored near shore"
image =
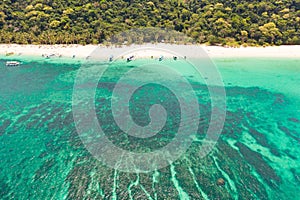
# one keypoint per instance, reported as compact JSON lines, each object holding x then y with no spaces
{"x":131,"y":58}
{"x":12,"y":63}
{"x":161,"y":58}
{"x":111,"y":58}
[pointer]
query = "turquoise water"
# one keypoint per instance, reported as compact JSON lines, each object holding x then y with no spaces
{"x":257,"y":155}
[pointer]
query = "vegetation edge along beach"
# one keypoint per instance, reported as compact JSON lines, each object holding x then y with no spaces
{"x":215,"y":22}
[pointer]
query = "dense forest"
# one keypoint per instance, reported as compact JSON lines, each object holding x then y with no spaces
{"x":235,"y":22}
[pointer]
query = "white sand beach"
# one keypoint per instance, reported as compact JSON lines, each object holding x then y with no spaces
{"x":150,"y":50}
{"x":38,"y":50}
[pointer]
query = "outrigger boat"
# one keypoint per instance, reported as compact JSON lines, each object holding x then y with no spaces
{"x":12,"y":63}
{"x":129,"y":59}
{"x":48,"y":56}
{"x":161,"y":58}
{"x":111,"y":58}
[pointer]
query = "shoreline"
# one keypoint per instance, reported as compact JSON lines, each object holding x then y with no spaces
{"x":79,"y":52}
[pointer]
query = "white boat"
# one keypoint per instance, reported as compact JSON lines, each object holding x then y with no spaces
{"x":161,"y":58}
{"x":111,"y":58}
{"x":12,"y":63}
{"x":131,"y":58}
{"x":48,"y":56}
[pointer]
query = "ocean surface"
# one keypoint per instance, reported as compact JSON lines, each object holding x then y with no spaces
{"x":257,"y":155}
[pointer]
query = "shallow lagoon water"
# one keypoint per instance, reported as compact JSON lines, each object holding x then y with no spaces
{"x":42,"y":156}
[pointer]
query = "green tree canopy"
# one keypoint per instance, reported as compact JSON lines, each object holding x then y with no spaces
{"x":206,"y":21}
